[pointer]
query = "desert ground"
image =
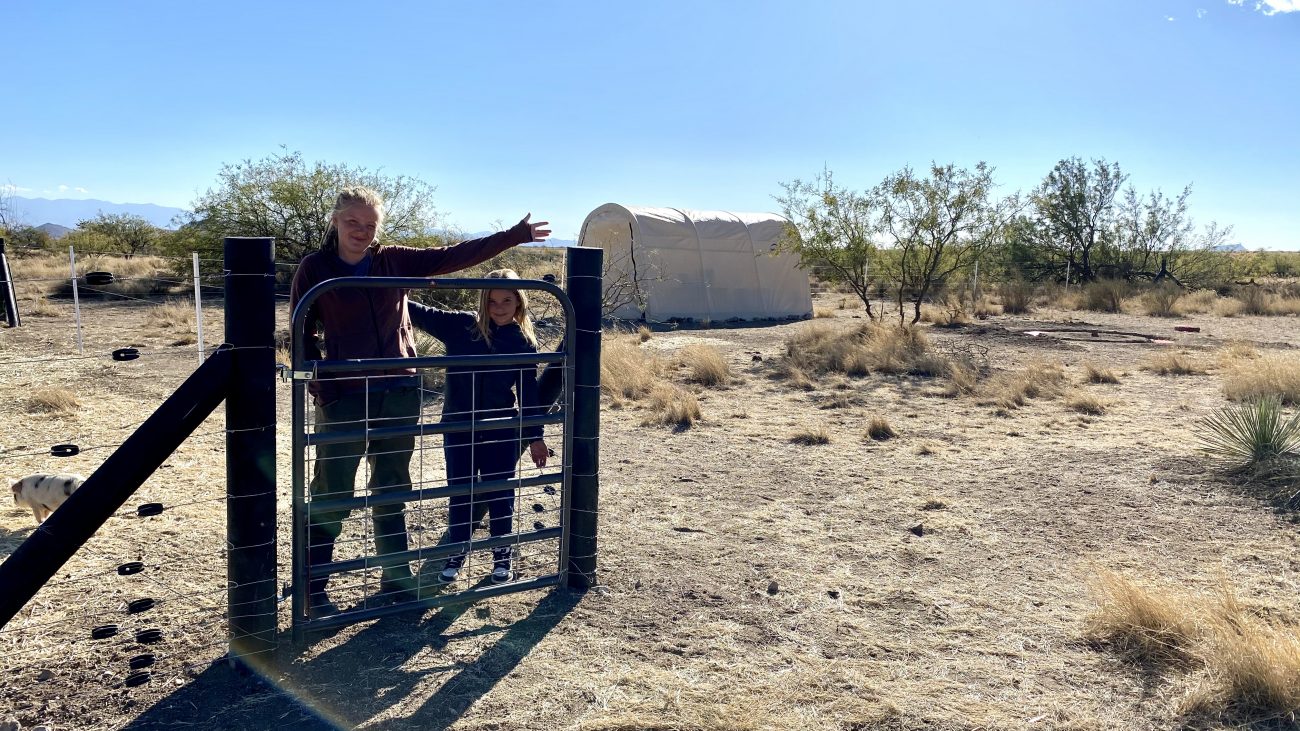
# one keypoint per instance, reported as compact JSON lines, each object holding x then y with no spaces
{"x":750,"y":576}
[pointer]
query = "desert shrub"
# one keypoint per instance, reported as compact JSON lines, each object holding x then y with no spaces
{"x":820,"y":312}
{"x":1251,"y":433}
{"x":1270,"y":375}
{"x":947,"y":313}
{"x":986,"y":308}
{"x":1094,"y":373}
{"x":879,"y":429}
{"x":1162,"y":301}
{"x":173,"y":315}
{"x":704,"y":365}
{"x":1254,"y":669}
{"x":1173,"y":364}
{"x":674,"y":406}
{"x":810,"y":437}
{"x":1105,"y":295}
{"x":1016,"y":296}
{"x":643,"y":333}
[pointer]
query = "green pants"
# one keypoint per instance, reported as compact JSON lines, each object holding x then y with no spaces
{"x":389,"y":460}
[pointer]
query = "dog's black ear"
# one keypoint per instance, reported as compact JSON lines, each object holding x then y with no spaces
{"x":67,"y":486}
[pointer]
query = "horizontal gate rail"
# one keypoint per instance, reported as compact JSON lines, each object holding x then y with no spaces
{"x":433,"y":493}
{"x":443,"y":427}
{"x":352,"y":365}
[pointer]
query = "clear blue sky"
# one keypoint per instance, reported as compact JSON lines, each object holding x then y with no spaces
{"x":558,"y":107}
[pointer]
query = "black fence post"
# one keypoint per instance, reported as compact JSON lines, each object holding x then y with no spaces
{"x":9,"y":297}
{"x":250,"y":449}
{"x":584,"y":285}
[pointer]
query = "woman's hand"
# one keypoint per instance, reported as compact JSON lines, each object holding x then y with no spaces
{"x":538,"y":450}
{"x":539,"y":232}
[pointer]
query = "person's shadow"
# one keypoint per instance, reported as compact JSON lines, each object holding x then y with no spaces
{"x":360,"y":678}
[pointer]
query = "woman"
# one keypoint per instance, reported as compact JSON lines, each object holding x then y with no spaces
{"x":371,"y":323}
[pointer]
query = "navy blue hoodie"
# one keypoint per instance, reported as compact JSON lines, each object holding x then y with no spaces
{"x":487,"y":391}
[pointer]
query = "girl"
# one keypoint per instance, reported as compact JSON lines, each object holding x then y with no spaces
{"x":502,"y":325}
{"x":371,"y":323}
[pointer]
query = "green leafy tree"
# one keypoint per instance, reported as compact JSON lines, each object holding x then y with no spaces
{"x":938,"y":225}
{"x":124,"y":233}
{"x":831,"y":231}
{"x":1075,"y":204}
{"x":290,"y":199}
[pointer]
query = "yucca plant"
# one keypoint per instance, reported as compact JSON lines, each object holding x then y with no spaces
{"x":1251,"y":433}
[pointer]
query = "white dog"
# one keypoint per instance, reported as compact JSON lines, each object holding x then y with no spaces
{"x":44,"y":493}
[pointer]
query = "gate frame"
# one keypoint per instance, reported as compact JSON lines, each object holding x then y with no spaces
{"x":580,"y":360}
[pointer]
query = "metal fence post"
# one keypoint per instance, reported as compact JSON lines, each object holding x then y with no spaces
{"x":584,"y":284}
{"x":250,"y":449}
{"x":9,"y":297}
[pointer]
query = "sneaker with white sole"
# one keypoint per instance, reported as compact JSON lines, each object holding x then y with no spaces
{"x":501,"y":565}
{"x":451,"y":569}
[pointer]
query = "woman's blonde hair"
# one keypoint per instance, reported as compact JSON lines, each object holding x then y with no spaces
{"x":348,"y":197}
{"x":521,"y":308}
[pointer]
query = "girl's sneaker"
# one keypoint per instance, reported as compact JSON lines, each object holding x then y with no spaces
{"x":451,"y":569}
{"x":501,"y":569}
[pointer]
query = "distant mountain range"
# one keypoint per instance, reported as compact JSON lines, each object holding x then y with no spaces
{"x":67,"y":212}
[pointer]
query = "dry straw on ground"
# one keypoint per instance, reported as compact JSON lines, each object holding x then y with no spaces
{"x":704,"y":365}
{"x":1012,"y":389}
{"x":1095,"y":373}
{"x":810,"y":437}
{"x":1174,"y":364}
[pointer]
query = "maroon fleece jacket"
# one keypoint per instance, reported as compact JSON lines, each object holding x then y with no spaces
{"x":373,"y":323}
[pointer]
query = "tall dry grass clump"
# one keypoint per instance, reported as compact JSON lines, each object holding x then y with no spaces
{"x":627,"y":372}
{"x":1250,"y":665}
{"x":704,"y":365}
{"x":1254,"y":300}
{"x":878,"y":429}
{"x":57,"y":401}
{"x":1012,"y":389}
{"x":1144,"y":624}
{"x":810,"y":437}
{"x":1198,"y":302}
{"x":859,"y":351}
{"x":672,"y":405}
{"x":1173,"y":364}
{"x":1085,"y":403}
{"x":173,"y":315}
{"x":1095,"y":373}
{"x":1270,"y":375}
{"x":1228,"y":307}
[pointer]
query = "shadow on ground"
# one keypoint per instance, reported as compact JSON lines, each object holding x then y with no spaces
{"x":360,"y":678}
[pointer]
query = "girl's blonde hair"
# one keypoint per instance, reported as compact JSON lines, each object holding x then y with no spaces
{"x":521,"y":308}
{"x":348,"y":197}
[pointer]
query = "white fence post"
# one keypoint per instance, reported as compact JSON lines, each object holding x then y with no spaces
{"x":76,"y":299}
{"x":198,"y":306}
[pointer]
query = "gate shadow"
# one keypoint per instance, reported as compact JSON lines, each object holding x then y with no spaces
{"x":360,"y":678}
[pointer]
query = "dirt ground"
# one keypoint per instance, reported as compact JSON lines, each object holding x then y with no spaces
{"x":937,"y":580}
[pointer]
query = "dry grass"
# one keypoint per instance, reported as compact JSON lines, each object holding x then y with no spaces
{"x":1249,"y":666}
{"x":986,"y":308}
{"x":1174,"y":364}
{"x":820,"y":312}
{"x":643,"y":333}
{"x":810,"y":437}
{"x":1144,"y":624}
{"x":860,"y":351}
{"x":879,"y":429}
{"x":1106,"y":295}
{"x":1228,"y":307}
{"x":1272,"y":374}
{"x":704,"y":365}
{"x":57,"y":401}
{"x":1085,"y":403}
{"x":1011,"y":389}
{"x":627,"y":372}
{"x":173,"y":316}
{"x":1096,"y":373}
{"x":1198,"y":302}
{"x":948,"y":313}
{"x":672,"y":405}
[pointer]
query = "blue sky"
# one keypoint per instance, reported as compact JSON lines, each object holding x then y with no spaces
{"x":558,"y":107}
